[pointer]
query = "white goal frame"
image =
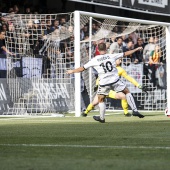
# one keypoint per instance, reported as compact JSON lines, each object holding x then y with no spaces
{"x":77,"y":51}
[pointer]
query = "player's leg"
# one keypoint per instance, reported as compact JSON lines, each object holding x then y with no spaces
{"x":120,"y":95}
{"x":120,"y":86}
{"x":113,"y":95}
{"x":102,"y":109}
{"x":91,"y":106}
{"x":102,"y":93}
{"x":102,"y":106}
{"x":131,"y":102}
{"x":124,"y":104}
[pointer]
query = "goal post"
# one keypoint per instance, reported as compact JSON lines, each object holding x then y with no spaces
{"x":77,"y":63}
{"x":160,"y":28}
{"x":168,"y":66}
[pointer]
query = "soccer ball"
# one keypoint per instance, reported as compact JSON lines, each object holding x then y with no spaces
{"x":166,"y":112}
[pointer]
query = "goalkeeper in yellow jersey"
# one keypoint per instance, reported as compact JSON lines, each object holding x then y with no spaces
{"x":116,"y":95}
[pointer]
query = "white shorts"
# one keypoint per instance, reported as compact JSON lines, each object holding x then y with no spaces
{"x":117,"y":87}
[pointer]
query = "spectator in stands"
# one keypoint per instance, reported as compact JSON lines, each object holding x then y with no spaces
{"x":48,"y":24}
{"x":154,"y":59}
{"x":64,"y":32}
{"x":115,"y":30}
{"x":2,"y":20}
{"x":69,"y":58}
{"x":71,"y":42}
{"x":93,"y":28}
{"x":139,"y":54}
{"x":129,"y":47}
{"x":31,"y":36}
{"x":28,"y":10}
{"x":93,"y":48}
{"x":123,"y":28}
{"x":156,"y":40}
{"x":42,"y":29}
{"x":12,"y":37}
{"x":133,"y":36}
{"x":108,"y":46}
{"x":117,"y":47}
{"x":127,"y":39}
{"x":16,"y":9}
{"x":62,"y":21}
{"x":55,"y":25}
{"x":97,"y":27}
{"x":113,"y":38}
{"x":148,"y":49}
{"x":155,"y":55}
{"x":3,"y":49}
{"x":83,"y":31}
{"x":4,"y":28}
{"x":124,"y":43}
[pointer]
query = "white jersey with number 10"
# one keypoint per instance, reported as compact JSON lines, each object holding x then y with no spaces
{"x":105,"y":65}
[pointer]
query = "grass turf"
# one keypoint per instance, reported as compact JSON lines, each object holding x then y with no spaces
{"x":74,"y":143}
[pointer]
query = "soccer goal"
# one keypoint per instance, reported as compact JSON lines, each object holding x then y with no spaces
{"x":108,"y":29}
{"x":46,"y":45}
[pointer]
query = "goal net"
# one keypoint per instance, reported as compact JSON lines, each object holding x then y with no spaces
{"x":45,"y":46}
{"x":42,"y":47}
{"x":142,"y":66}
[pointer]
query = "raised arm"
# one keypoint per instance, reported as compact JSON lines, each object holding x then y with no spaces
{"x":77,"y":70}
{"x":132,"y":51}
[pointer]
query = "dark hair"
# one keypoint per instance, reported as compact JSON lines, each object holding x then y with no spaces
{"x":130,"y":41}
{"x":139,"y":39}
{"x":1,"y":31}
{"x":102,"y":47}
{"x":120,"y":38}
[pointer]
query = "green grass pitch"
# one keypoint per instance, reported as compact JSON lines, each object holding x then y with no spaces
{"x":70,"y":143}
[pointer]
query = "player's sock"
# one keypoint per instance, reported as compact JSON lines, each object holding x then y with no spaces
{"x":131,"y":101}
{"x":124,"y":105}
{"x":89,"y":108}
{"x":102,"y":108}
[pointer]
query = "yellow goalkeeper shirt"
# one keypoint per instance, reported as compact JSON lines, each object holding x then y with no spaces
{"x":123,"y":73}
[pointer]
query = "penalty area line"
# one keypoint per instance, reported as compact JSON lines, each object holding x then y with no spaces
{"x":87,"y":146}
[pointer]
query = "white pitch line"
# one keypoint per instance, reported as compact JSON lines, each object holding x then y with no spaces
{"x":87,"y":146}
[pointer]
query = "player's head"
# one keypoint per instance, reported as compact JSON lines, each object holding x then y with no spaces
{"x":102,"y":47}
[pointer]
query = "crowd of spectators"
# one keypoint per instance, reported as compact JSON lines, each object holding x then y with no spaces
{"x":151,"y":56}
{"x":36,"y":33}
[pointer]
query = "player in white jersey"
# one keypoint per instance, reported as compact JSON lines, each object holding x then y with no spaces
{"x":105,"y":64}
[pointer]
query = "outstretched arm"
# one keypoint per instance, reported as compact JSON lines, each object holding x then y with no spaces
{"x":129,"y":78}
{"x":132,"y":51}
{"x":77,"y":70}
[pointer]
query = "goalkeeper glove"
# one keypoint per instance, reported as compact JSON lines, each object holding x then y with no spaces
{"x":143,"y":88}
{"x":95,"y":88}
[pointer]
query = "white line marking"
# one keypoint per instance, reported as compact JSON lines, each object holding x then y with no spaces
{"x":87,"y":146}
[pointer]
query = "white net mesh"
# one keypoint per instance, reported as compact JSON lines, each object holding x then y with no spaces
{"x":139,"y":66}
{"x":44,"y":48}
